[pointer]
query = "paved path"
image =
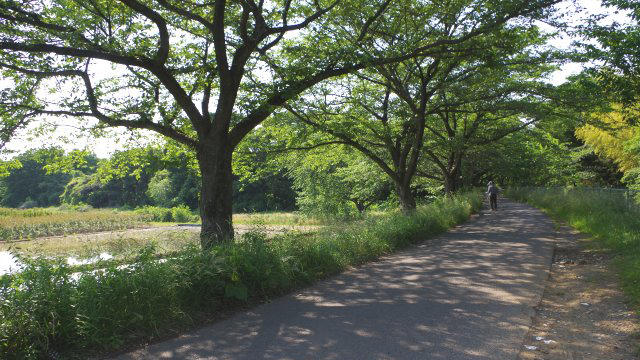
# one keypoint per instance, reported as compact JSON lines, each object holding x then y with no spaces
{"x":467,"y":294}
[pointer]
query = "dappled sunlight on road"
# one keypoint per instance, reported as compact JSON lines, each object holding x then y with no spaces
{"x":467,"y":294}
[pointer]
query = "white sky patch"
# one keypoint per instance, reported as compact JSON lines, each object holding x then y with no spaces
{"x":70,"y":136}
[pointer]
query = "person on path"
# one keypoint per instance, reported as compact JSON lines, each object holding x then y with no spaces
{"x":493,"y":191}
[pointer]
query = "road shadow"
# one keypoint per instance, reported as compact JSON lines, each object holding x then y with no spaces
{"x":467,"y":294}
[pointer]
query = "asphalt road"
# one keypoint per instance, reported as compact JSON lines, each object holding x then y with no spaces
{"x":468,"y":294}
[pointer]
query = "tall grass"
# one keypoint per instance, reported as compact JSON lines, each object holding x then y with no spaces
{"x":32,"y":223}
{"x":606,"y":216}
{"x":183,"y":214}
{"x":47,"y":309}
{"x":278,"y":218}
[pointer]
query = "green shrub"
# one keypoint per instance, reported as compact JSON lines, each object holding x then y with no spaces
{"x":28,"y":204}
{"x":162,"y":214}
{"x":77,"y":207}
{"x":181,"y":214}
{"x":46,"y":308}
{"x":159,"y":214}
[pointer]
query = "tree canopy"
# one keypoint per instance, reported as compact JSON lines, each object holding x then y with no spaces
{"x":348,"y":102}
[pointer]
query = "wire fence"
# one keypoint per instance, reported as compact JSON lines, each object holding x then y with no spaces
{"x":625,"y":199}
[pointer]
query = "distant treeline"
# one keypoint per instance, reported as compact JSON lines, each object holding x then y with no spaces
{"x":129,"y":179}
{"x":332,"y":181}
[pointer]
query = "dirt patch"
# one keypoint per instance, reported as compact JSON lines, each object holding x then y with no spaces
{"x":583,"y":313}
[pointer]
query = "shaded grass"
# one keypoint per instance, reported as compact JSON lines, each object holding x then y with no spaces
{"x":47,"y":308}
{"x":606,"y":216}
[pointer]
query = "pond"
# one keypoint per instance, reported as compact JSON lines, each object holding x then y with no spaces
{"x":10,"y":264}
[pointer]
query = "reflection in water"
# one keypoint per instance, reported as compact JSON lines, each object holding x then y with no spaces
{"x":8,"y":263}
{"x":103,"y":256}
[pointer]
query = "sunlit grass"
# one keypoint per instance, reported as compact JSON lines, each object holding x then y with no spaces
{"x":613,"y":224}
{"x":18,"y":224}
{"x":277,"y":218}
{"x":166,"y":239}
{"x":121,"y":245}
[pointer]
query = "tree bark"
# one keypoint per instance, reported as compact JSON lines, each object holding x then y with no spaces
{"x":452,"y":181}
{"x":450,"y":185}
{"x":216,"y":194}
{"x":407,"y":200}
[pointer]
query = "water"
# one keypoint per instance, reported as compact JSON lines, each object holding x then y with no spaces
{"x":74,"y":261}
{"x":8,"y":263}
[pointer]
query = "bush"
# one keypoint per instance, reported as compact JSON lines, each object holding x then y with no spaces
{"x":181,"y":214}
{"x":46,"y":308}
{"x":28,"y":204}
{"x":174,"y":214}
{"x":78,"y":207}
{"x":157,"y":213}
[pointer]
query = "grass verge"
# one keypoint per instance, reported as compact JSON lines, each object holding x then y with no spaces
{"x":50,"y":308}
{"x":605,"y":216}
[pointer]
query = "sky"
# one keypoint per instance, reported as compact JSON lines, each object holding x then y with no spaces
{"x":69,"y":137}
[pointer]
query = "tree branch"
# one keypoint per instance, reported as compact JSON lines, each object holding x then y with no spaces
{"x":161,"y":24}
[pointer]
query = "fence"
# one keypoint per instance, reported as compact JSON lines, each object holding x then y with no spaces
{"x":628,"y":198}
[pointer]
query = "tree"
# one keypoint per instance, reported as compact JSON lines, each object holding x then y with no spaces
{"x":173,"y":61}
{"x":529,"y":157}
{"x":160,"y":189}
{"x":336,"y":181}
{"x":612,"y":136}
{"x":394,"y":113}
{"x":41,"y":175}
{"x":331,"y":181}
{"x":269,"y":192}
{"x":617,"y":50}
{"x":478,"y":120}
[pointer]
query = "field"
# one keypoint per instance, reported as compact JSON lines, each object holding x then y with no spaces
{"x":62,"y":232}
{"x":125,"y":244}
{"x":18,"y":224}
{"x":53,"y":304}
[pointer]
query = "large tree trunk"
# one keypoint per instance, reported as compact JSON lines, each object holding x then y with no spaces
{"x":452,"y":181}
{"x":407,"y":201}
{"x":216,"y":195}
{"x":451,"y":184}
